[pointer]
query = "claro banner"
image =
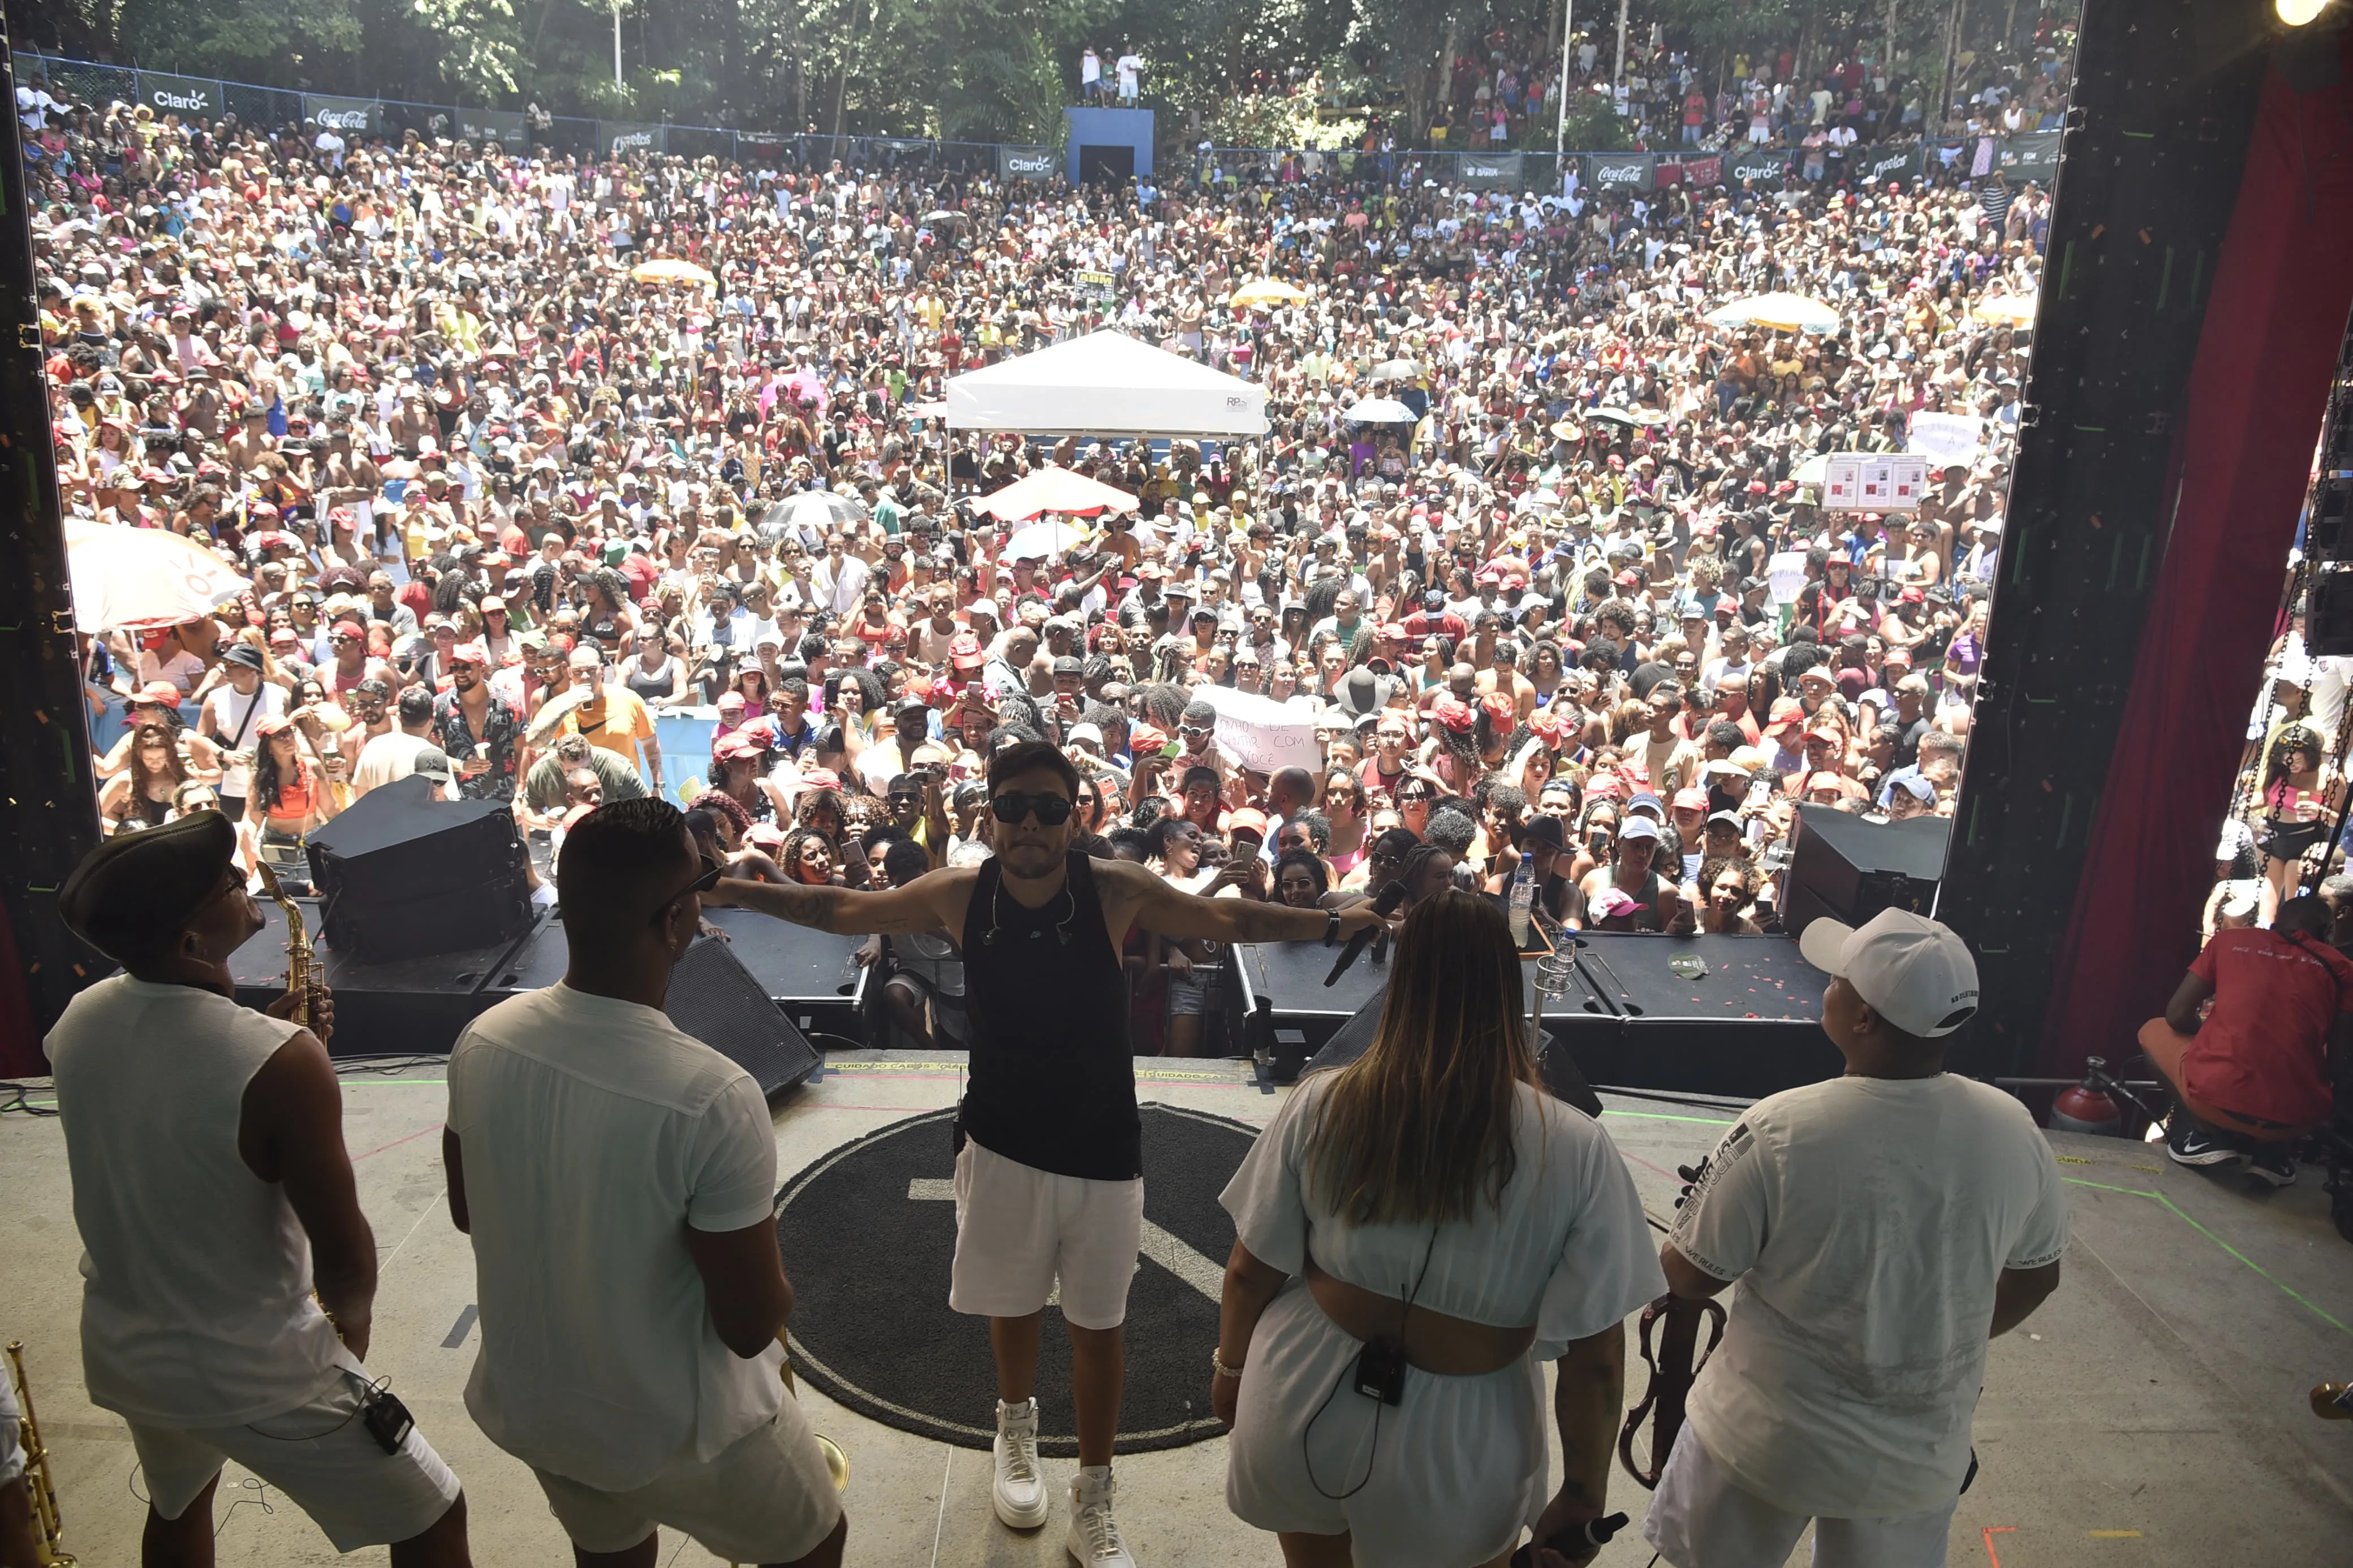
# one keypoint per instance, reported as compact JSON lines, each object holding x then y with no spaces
{"x":1027,"y":162}
{"x":189,"y":97}
{"x":346,"y":117}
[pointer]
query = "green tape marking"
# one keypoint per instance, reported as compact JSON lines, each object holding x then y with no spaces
{"x":2297,"y":1296}
{"x":1657,"y":1116}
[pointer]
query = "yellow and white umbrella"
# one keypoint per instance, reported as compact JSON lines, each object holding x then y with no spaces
{"x":1267,"y":291}
{"x":2007,"y":310}
{"x":1782,"y":313}
{"x":668,"y":270}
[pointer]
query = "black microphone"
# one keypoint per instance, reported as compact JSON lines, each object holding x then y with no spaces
{"x":1385,"y":905}
{"x":1595,"y":1532}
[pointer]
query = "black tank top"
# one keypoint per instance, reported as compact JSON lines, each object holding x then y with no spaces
{"x":647,"y":687}
{"x":1053,"y":1081}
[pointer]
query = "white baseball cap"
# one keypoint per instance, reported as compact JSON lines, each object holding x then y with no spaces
{"x":1914,"y":971}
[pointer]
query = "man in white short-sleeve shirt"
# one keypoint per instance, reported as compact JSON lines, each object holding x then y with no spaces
{"x":618,"y":1178}
{"x":1884,"y":1226}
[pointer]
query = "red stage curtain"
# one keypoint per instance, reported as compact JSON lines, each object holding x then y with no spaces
{"x":2257,"y":393}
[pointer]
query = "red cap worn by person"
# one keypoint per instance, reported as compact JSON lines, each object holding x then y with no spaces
{"x":1545,"y":723}
{"x":470,"y":653}
{"x":275,"y":724}
{"x":1500,"y":707}
{"x":822,"y":778}
{"x":964,"y":651}
{"x":1911,"y":596}
{"x":1248,"y":819}
{"x":1145,"y":739}
{"x":158,"y":691}
{"x":1788,"y":713}
{"x":732,"y":744}
{"x":1454,"y":714}
{"x":1689,"y":800}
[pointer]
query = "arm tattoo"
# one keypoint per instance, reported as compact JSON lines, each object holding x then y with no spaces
{"x":802,"y":906}
{"x":1254,"y":921}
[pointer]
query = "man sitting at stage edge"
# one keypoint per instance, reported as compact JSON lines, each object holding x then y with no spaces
{"x":2250,"y":1078}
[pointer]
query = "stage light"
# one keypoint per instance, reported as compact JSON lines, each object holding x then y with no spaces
{"x":2296,"y":13}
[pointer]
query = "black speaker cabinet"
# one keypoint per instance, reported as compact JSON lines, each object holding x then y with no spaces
{"x":402,"y":875}
{"x":1850,"y":870}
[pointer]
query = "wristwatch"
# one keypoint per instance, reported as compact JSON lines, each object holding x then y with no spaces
{"x":1331,"y":928}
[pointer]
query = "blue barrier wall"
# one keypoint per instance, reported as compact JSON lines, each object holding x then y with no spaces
{"x":1106,"y":128}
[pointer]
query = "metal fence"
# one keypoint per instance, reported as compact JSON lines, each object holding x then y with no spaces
{"x":2028,"y":157}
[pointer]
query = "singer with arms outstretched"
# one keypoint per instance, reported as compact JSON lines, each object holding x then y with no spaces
{"x":1049,"y":1172}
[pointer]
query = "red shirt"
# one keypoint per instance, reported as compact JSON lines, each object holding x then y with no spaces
{"x":2264,"y":1050}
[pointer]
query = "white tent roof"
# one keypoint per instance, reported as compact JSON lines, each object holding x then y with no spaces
{"x":1105,"y":383}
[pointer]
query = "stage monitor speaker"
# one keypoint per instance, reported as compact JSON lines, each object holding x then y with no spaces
{"x":1854,"y":869}
{"x":402,"y":875}
{"x":1554,"y":1057}
{"x":714,"y":998}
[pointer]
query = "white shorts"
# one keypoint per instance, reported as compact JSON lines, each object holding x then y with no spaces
{"x":768,"y":1497}
{"x":1701,"y":1518}
{"x":321,"y":1456}
{"x":1446,"y":1480}
{"x":1020,"y":1230}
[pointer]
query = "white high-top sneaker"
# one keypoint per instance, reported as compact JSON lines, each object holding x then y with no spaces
{"x":1019,"y":1490}
{"x":1094,"y":1539}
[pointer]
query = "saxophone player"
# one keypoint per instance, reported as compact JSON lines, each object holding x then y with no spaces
{"x":213,"y":1194}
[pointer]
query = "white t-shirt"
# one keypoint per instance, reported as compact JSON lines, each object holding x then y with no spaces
{"x":1566,"y":1250}
{"x":593,"y":1133}
{"x":389,"y":758}
{"x":196,"y":1307}
{"x":183,"y":669}
{"x":228,"y":711}
{"x":1130,"y":67}
{"x":1867,"y":1220}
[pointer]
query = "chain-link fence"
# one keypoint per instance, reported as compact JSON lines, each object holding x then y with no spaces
{"x":2017,"y":158}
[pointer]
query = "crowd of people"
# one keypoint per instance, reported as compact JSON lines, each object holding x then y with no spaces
{"x":502,"y":505}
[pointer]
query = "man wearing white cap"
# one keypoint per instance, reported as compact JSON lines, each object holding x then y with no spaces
{"x":1884,"y":1226}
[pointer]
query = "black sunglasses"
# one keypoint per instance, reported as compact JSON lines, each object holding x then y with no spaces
{"x":701,"y":884}
{"x":1052,"y":810}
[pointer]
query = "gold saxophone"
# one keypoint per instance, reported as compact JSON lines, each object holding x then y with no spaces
{"x":48,"y":1531}
{"x":298,"y":944}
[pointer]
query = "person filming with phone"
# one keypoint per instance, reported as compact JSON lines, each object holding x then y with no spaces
{"x":1417,"y":1232}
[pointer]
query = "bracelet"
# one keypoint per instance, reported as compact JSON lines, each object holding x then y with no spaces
{"x":1217,"y":1365}
{"x":1331,"y":928}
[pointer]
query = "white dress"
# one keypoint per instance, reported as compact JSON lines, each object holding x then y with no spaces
{"x":1450,"y":1476}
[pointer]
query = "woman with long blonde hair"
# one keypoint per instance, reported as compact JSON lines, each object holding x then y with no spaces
{"x":1429,"y":1219}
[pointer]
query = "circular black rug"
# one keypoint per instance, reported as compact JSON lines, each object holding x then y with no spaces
{"x":867,"y":1233}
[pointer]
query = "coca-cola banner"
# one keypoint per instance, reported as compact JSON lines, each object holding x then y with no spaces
{"x":189,"y":97}
{"x":1618,"y":171}
{"x":346,"y":117}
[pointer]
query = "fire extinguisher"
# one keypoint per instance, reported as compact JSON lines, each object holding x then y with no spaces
{"x":2087,"y":1108}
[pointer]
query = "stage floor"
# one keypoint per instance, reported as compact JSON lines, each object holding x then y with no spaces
{"x":2151,"y":1415}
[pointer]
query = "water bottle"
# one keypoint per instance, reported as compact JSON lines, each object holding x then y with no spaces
{"x":1524,"y":894}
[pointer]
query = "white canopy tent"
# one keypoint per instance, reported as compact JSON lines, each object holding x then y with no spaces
{"x":1105,"y":383}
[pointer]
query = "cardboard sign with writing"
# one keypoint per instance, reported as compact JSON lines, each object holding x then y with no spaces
{"x":1262,"y":734}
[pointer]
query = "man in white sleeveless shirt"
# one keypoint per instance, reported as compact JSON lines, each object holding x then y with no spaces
{"x":213,"y":1192}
